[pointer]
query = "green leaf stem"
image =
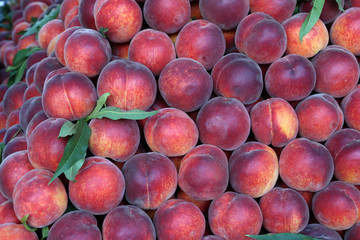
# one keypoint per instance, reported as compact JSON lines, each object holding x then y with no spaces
{"x":282,"y":236}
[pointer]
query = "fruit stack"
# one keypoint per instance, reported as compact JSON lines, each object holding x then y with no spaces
{"x":180,"y":119}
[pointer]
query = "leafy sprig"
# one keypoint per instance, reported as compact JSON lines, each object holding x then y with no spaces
{"x":79,"y":133}
{"x":282,"y":236}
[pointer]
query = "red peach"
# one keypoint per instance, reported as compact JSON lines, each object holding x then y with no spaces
{"x":13,"y":118}
{"x":152,"y":48}
{"x":66,"y":6}
{"x":71,"y":15}
{"x":34,"y":10}
{"x":202,"y":205}
{"x":234,"y":215}
{"x":43,"y":68}
{"x":98,"y":188}
{"x":35,"y":58}
{"x":115,"y":139}
{"x":11,"y":231}
{"x":277,"y":219}
{"x":36,"y":120}
{"x":314,"y":41}
{"x":319,"y":231}
{"x":19,"y":28}
{"x":60,"y":43}
{"x":31,"y":92}
{"x":13,"y":132}
{"x":14,"y":145}
{"x":185,"y":84}
{"x":171,"y":132}
{"x":128,"y":222}
{"x":7,"y":214}
{"x":43,"y":202}
{"x":86,"y":13}
{"x":48,"y":31}
{"x":28,"y":110}
{"x":180,"y":219}
{"x":280,"y":10}
{"x":253,"y":169}
{"x":353,"y":233}
{"x":13,"y":98}
{"x":350,"y":106}
{"x":202,"y":41}
{"x":167,"y":16}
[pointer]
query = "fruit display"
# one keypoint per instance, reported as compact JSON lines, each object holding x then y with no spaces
{"x":180,"y":119}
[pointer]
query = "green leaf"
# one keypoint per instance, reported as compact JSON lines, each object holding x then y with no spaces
{"x":2,"y":145}
{"x":71,"y":172}
{"x":24,"y":222}
{"x":282,"y":236}
{"x":23,"y":54}
{"x":75,"y":148}
{"x":340,"y":3}
{"x":44,"y":233}
{"x":103,"y":31}
{"x":99,"y":104}
{"x":67,"y":129}
{"x":41,"y":22}
{"x":312,"y":17}
{"x":115,"y":113}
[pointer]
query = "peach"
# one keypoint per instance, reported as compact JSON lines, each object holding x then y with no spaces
{"x":185,"y":84}
{"x":329,"y":11}
{"x":319,"y":116}
{"x":128,"y":222}
{"x":225,"y":14}
{"x":28,"y":110}
{"x":28,"y":41}
{"x":171,"y":132}
{"x":120,"y":49}
{"x":75,"y":22}
{"x":2,"y":198}
{"x":351,"y":3}
{"x":19,"y":28}
{"x":13,"y":98}
{"x":43,"y":202}
{"x":3,"y":119}
{"x":234,"y":215}
{"x":238,"y":76}
{"x":350,"y":107}
{"x":261,"y":38}
{"x":98,"y":188}
{"x":14,"y":145}
{"x":34,"y":10}
{"x":30,"y":92}
{"x":35,"y":58}
{"x":253,"y":169}
{"x":45,"y":148}
{"x":297,"y":163}
{"x":152,"y":48}
{"x":13,"y":132}
{"x":280,"y":10}
{"x":75,"y":225}
{"x":227,"y":132}
{"x":86,"y":51}
{"x":212,"y":237}
{"x":7,"y":214}
{"x":13,"y":118}
{"x":24,"y":3}
{"x":180,"y":220}
{"x":313,"y":42}
{"x":274,"y":121}
{"x":291,"y":77}
{"x":167,"y":16}
{"x":277,"y":219}
{"x":131,"y":85}
{"x":11,"y":231}
{"x":43,"y":68}
{"x":115,"y":139}
{"x":334,"y":206}
{"x":353,"y":233}
{"x":50,"y":30}
{"x":70,"y":95}
{"x":12,"y":169}
{"x":9,"y":55}
{"x":213,"y":161}
{"x":202,"y":41}
{"x":123,"y":18}
{"x":3,"y":89}
{"x":60,"y":43}
{"x":319,"y":231}
{"x":56,"y":72}
{"x":337,"y":71}
{"x":151,"y":179}
{"x":36,"y":120}
{"x":66,"y":6}
{"x":71,"y":15}
{"x":344,"y":30}
{"x":86,"y":13}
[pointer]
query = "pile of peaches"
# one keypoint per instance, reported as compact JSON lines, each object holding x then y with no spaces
{"x":256,"y":132}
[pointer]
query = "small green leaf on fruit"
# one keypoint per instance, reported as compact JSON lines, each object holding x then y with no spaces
{"x":99,"y":104}
{"x":71,"y":172}
{"x":115,"y":113}
{"x":2,"y":145}
{"x":75,"y":148}
{"x":44,"y":233}
{"x":282,"y":236}
{"x":312,"y":17}
{"x":67,"y":129}
{"x":24,"y":222}
{"x":103,"y":31}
